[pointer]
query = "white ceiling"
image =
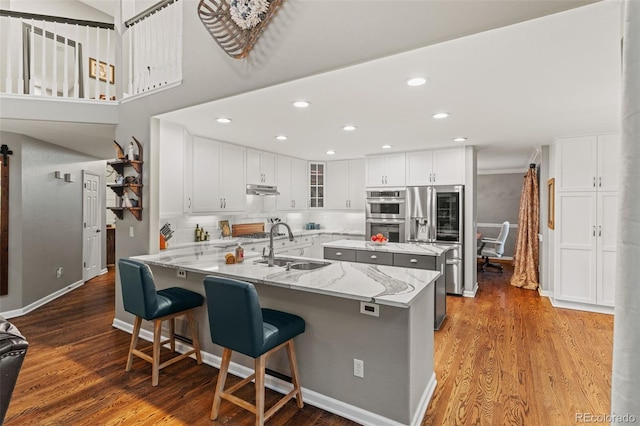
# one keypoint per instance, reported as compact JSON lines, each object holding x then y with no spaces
{"x":508,"y":90}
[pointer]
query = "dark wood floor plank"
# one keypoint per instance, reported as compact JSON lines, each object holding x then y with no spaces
{"x":506,"y":357}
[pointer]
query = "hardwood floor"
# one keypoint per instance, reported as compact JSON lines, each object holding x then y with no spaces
{"x":504,"y":358}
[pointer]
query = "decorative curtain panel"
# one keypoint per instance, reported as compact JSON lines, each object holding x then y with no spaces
{"x":525,"y":272}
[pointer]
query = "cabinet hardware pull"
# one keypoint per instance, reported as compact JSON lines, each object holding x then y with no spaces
{"x":594,"y":231}
{"x":594,"y":181}
{"x":414,"y":261}
{"x":600,"y":181}
{"x":224,"y":200}
{"x":599,"y":231}
{"x":189,"y":202}
{"x":373,"y":256}
{"x":338,"y":253}
{"x":220,"y":202}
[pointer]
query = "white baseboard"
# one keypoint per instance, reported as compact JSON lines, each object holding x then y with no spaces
{"x":316,"y":399}
{"x":545,"y":293}
{"x":103,"y":271}
{"x":599,"y":309}
{"x":35,"y":305}
{"x":471,"y":293}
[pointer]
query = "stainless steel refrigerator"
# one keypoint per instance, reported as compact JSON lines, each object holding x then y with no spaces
{"x":435,"y":214}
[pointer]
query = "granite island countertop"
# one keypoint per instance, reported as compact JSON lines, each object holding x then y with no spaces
{"x":385,"y":285}
{"x":424,"y":249}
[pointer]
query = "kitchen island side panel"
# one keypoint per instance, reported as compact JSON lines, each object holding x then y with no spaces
{"x":396,"y":349}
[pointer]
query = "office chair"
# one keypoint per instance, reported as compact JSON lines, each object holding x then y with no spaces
{"x":495,"y":249}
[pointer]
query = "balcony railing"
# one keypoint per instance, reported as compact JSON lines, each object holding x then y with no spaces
{"x":56,"y":57}
{"x":153,"y":42}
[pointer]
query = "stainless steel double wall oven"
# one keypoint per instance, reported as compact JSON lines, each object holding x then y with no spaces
{"x":387,"y":214}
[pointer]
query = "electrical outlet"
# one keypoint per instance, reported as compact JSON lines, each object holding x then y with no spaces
{"x":369,"y":308}
{"x":358,"y":368}
{"x":59,"y":272}
{"x":131,"y":231}
{"x":181,"y":273}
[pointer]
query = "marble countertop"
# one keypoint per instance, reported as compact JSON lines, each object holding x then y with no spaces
{"x":425,"y":249}
{"x":385,"y":285}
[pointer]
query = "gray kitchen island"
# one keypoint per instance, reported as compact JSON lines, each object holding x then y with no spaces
{"x":372,"y":313}
{"x":428,"y":256}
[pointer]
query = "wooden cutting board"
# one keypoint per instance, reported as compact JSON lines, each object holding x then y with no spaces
{"x":246,"y":228}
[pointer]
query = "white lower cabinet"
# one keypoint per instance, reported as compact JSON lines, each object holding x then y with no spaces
{"x":585,"y":232}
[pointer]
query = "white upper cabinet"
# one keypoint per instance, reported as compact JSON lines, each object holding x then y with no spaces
{"x":437,"y":167}
{"x":175,"y":178}
{"x":588,"y":163}
{"x":261,"y":167}
{"x":291,"y":179}
{"x":386,"y":170}
{"x":206,"y":175}
{"x":345,"y":185}
{"x":232,"y":171}
{"x":218,"y":176}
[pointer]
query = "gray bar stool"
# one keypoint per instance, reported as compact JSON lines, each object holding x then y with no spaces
{"x":141,"y":299}
{"x":237,"y":323}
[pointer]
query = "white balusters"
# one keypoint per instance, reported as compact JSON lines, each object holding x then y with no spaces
{"x":76,"y":65}
{"x":20,"y":63}
{"x":155,"y":49}
{"x":54,"y":68}
{"x":108,"y":61}
{"x":65,"y":76}
{"x":32,"y":61}
{"x":43,"y":74}
{"x":9,"y":78}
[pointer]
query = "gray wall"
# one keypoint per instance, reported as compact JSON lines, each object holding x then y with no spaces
{"x":499,"y":200}
{"x":45,"y":219}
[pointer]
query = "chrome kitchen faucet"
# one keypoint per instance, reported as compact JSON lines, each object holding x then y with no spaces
{"x":270,"y":256}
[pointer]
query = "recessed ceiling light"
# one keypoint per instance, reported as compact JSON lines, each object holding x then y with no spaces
{"x":441,"y":115}
{"x":281,"y":137}
{"x":301,"y":104}
{"x":331,"y":152}
{"x":460,"y":139}
{"x":416,"y":81}
{"x":386,"y":146}
{"x":223,"y":120}
{"x":349,"y":128}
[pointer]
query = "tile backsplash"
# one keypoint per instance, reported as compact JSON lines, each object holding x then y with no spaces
{"x":260,"y":210}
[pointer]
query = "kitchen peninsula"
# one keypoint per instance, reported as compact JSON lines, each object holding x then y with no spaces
{"x":391,"y":332}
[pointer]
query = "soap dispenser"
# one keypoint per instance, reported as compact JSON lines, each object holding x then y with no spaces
{"x":239,"y":254}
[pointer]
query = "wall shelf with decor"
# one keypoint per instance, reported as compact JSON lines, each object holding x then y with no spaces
{"x":127,"y":186}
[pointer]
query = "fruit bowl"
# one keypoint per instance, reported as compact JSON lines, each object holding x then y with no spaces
{"x":379,"y":243}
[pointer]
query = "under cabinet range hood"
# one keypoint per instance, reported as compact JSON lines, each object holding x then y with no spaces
{"x":262,"y":190}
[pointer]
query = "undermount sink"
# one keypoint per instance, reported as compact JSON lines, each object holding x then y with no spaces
{"x":289,"y":263}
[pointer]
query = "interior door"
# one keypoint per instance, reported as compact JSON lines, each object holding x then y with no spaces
{"x":91,"y":234}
